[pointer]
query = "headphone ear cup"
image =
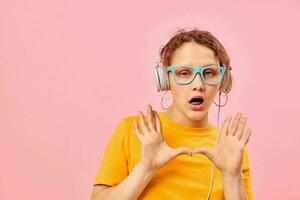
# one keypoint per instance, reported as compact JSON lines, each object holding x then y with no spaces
{"x":161,"y":78}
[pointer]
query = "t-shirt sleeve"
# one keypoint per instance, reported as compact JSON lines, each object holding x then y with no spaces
{"x":247,"y":176}
{"x":114,"y":166}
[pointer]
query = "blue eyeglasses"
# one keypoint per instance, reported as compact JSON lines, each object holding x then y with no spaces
{"x":211,"y":75}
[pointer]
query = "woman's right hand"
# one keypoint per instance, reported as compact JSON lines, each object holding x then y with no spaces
{"x":155,"y":151}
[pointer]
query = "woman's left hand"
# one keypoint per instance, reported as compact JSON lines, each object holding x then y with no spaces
{"x":228,"y":153}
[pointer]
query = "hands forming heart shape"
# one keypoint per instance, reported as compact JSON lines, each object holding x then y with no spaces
{"x":227,"y":155}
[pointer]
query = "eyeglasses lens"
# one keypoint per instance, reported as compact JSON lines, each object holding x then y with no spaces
{"x":211,"y":75}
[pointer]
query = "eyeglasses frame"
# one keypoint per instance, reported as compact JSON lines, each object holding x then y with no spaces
{"x":196,"y":70}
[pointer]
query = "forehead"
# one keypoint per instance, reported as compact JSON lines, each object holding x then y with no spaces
{"x":191,"y":53}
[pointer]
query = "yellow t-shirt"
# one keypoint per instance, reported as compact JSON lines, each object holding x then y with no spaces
{"x":184,"y":177}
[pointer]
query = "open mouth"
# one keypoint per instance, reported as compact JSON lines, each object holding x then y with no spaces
{"x":196,"y":101}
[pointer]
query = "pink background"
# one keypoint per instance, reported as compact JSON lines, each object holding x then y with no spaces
{"x":71,"y":70}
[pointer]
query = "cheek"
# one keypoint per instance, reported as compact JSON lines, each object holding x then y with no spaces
{"x":177,"y":90}
{"x":212,"y":92}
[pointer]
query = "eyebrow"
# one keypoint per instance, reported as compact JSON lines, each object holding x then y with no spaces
{"x":201,"y":66}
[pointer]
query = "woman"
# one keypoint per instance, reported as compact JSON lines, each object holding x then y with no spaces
{"x":178,"y":154}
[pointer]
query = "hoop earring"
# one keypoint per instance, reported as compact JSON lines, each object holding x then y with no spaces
{"x":161,"y":104}
{"x":220,"y":100}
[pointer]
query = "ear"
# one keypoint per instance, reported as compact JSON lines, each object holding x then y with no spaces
{"x":226,"y":82}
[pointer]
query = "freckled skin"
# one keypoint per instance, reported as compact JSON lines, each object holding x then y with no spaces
{"x":193,"y":54}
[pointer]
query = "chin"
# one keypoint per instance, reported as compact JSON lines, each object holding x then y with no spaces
{"x":196,"y":115}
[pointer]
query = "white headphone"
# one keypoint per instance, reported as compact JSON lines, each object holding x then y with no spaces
{"x":161,"y":77}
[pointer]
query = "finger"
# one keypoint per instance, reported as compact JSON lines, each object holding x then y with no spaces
{"x":182,"y":150}
{"x":153,"y":117}
{"x":246,"y":136}
{"x":222,"y":132}
{"x":235,"y":124}
{"x":154,"y":120}
{"x":159,"y":127}
{"x":149,"y":117}
{"x":207,"y":153}
{"x":137,"y":131}
{"x":158,"y":124}
{"x":225,"y":125}
{"x":241,"y":128}
{"x":143,"y":123}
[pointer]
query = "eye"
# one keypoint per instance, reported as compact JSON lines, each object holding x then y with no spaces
{"x":209,"y":73}
{"x":184,"y":73}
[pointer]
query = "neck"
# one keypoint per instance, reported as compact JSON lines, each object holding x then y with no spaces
{"x":182,"y":118}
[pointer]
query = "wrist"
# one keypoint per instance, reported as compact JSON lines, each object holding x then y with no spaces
{"x":143,"y":170}
{"x":234,"y":186}
{"x":232,"y":177}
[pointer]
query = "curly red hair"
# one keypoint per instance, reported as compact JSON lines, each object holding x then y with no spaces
{"x":203,"y":38}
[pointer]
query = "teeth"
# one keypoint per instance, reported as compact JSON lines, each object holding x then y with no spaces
{"x":196,"y":103}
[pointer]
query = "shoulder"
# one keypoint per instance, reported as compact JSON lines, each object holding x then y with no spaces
{"x":125,"y":125}
{"x":129,"y":120}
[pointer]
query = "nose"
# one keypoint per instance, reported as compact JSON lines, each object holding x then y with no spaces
{"x":198,"y":83}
